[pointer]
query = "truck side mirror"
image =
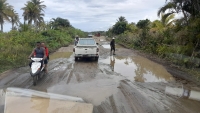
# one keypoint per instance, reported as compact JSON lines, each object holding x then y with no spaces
{"x":97,"y":43}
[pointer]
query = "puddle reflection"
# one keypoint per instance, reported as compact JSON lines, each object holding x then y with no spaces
{"x":112,"y":62}
{"x":30,"y":101}
{"x":40,"y":104}
{"x":138,"y":69}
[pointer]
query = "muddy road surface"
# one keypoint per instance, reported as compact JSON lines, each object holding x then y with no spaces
{"x":123,"y":83}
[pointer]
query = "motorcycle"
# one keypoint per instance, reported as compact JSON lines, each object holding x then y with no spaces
{"x":37,"y":72}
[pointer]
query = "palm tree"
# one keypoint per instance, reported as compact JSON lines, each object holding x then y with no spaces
{"x":122,"y":19}
{"x":40,"y":8}
{"x":14,"y":18}
{"x":4,"y":12}
{"x":53,"y":23}
{"x":38,"y":4}
{"x":33,"y":12}
{"x":58,"y":22}
{"x":189,"y":8}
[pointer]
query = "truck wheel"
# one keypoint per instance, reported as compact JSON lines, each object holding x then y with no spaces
{"x":96,"y":58}
{"x":76,"y":58}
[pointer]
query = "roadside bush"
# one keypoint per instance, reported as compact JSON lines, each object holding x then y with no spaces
{"x":165,"y":44}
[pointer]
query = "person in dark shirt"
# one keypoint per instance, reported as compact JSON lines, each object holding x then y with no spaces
{"x":112,"y":46}
{"x":76,"y":40}
{"x":38,"y":52}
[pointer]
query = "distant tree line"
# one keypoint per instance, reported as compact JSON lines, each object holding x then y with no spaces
{"x":33,"y":16}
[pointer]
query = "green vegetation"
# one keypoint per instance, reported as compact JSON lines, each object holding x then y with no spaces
{"x":177,"y":40}
{"x":16,"y":45}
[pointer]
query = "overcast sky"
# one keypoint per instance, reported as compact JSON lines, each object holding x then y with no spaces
{"x":93,"y":15}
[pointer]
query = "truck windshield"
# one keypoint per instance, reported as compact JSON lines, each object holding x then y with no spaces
{"x":87,"y":42}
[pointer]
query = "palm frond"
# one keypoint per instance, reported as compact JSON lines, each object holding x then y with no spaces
{"x":168,"y":6}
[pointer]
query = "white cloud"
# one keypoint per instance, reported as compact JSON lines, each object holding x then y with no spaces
{"x":91,"y":15}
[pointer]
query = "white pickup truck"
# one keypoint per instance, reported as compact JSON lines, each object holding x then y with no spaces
{"x":86,"y":47}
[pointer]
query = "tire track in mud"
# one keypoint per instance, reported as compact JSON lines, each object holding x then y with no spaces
{"x":156,"y":92}
{"x":84,"y":70}
{"x":70,"y":76}
{"x":78,"y":77}
{"x":16,"y":80}
{"x":27,"y":83}
{"x":103,"y":108}
{"x":123,"y":109}
{"x":64,"y":75}
{"x":57,"y":73}
{"x":12,"y":80}
{"x":113,"y":105}
{"x":135,"y":101}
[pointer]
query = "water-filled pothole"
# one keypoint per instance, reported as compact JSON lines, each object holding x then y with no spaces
{"x":138,"y":68}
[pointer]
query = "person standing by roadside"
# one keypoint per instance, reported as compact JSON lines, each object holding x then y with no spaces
{"x":76,"y":40}
{"x":112,"y":45}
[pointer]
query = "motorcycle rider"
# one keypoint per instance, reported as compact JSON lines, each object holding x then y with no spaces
{"x":39,"y":53}
{"x":47,"y":55}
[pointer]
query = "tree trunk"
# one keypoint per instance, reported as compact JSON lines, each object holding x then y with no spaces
{"x":12,"y":25}
{"x":184,"y":14}
{"x":24,"y":25}
{"x":1,"y":27}
{"x":195,"y":48}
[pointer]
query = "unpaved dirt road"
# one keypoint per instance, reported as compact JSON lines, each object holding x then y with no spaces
{"x":124,"y":83}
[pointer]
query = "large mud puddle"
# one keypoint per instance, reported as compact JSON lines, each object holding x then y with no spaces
{"x":138,"y":69}
{"x":90,"y":91}
{"x":57,"y":55}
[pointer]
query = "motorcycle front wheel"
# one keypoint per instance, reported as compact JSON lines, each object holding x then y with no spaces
{"x":34,"y":80}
